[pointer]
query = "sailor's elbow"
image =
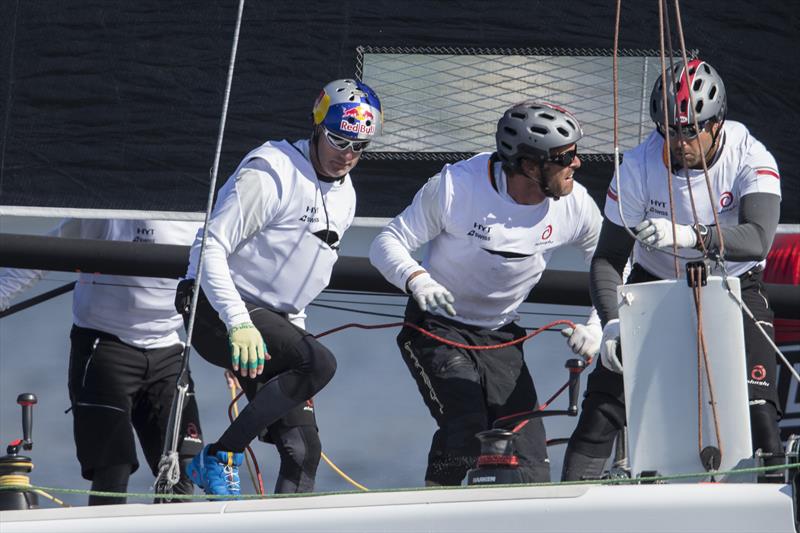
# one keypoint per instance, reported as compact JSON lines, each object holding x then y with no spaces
{"x":377,"y":250}
{"x":764,"y":242}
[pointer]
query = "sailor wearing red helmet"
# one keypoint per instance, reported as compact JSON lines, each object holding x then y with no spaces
{"x":745,"y":186}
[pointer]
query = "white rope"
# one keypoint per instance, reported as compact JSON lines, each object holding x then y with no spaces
{"x":168,"y":469}
{"x":766,"y":335}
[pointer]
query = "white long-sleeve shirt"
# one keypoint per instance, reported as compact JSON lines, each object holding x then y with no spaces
{"x":138,"y":310}
{"x":485,"y":248}
{"x":265,"y":236}
{"x":743,"y":166}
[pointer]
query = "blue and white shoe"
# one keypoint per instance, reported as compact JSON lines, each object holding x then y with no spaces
{"x":216,"y":474}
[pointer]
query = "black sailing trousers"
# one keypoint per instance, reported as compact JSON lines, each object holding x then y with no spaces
{"x":467,"y":390}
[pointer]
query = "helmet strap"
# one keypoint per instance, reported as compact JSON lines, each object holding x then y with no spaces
{"x":541,"y":181}
{"x":313,"y":148}
{"x":714,"y":148}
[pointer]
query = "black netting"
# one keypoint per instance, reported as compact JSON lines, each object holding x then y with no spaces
{"x":115,"y":104}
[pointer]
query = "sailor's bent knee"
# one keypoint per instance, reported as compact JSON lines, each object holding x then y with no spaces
{"x":321,"y":364}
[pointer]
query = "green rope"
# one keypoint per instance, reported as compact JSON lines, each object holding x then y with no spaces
{"x":613,"y":481}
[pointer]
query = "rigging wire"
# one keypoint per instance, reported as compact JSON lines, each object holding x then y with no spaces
{"x":386,"y":315}
{"x":30,"y":302}
{"x":403,"y":305}
{"x":695,"y":274}
{"x":168,"y":468}
{"x":785,"y":360}
{"x":711,"y":198}
{"x":615,"y":68}
{"x":667,"y":149}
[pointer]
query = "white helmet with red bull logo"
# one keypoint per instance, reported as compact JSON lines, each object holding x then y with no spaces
{"x":349,"y":109}
{"x":708,"y":95}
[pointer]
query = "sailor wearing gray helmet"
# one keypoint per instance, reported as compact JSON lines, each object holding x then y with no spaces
{"x":492,"y":223}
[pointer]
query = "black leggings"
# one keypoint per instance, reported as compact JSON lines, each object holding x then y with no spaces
{"x":298,"y":368}
{"x":300,"y":450}
{"x":296,"y":437}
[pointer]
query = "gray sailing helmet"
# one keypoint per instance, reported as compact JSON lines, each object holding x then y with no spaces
{"x":708,"y":93}
{"x":531,"y":129}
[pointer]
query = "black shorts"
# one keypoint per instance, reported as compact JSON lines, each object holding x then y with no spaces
{"x":210,"y":339}
{"x":760,"y":357}
{"x":116,"y":389}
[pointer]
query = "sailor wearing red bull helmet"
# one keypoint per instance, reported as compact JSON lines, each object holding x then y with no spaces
{"x":272,"y":242}
{"x":492,"y":223}
{"x":746,"y":187}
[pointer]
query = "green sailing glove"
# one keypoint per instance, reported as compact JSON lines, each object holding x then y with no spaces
{"x":248,"y":349}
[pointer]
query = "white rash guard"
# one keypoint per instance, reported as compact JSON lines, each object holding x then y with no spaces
{"x":742,"y":166}
{"x":486,"y":249}
{"x":138,"y":310}
{"x":261,"y":246}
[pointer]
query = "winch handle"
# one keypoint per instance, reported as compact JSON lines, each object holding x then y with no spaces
{"x":575,"y":367}
{"x":27,"y":400}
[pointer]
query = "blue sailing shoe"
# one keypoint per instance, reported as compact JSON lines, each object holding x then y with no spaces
{"x":216,"y":474}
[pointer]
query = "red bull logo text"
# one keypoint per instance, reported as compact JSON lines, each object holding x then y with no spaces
{"x":358,"y":120}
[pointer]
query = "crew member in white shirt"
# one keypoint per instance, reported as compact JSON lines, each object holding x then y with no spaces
{"x":272,"y":242}
{"x":125,"y":358}
{"x":491,"y":223}
{"x":746,"y":189}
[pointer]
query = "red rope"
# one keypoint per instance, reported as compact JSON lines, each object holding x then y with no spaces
{"x":542,"y":407}
{"x":448,"y":342}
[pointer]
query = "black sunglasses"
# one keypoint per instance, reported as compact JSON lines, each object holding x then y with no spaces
{"x":686,"y":132}
{"x":342,"y":144}
{"x":564,"y":159}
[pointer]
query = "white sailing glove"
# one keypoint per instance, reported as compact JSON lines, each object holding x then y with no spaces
{"x":609,"y":347}
{"x":657,"y":232}
{"x":584,"y":340}
{"x":430,"y":294}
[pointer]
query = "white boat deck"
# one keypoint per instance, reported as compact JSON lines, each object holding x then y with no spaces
{"x":710,"y":508}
